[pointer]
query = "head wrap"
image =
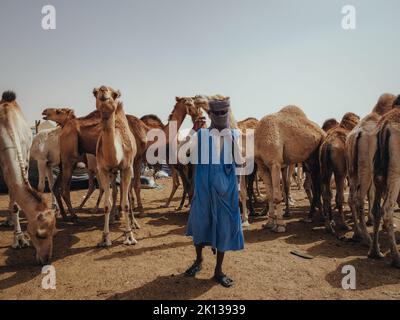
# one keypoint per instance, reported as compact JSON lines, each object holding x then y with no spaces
{"x":219,"y":122}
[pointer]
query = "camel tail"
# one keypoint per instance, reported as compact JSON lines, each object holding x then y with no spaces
{"x":325,"y":159}
{"x":9,"y":96}
{"x":382,"y":157}
{"x":354,"y":168}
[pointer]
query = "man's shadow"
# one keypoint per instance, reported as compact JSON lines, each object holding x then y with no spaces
{"x":178,"y":287}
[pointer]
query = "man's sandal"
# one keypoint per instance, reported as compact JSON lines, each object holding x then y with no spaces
{"x":224,"y":280}
{"x":193,"y":270}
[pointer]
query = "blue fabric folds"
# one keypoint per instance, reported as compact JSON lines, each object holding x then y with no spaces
{"x":214,"y":218}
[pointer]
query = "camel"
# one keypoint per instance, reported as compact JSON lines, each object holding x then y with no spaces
{"x":46,"y":150}
{"x":15,"y":143}
{"x":115,"y":152}
{"x":333,"y":161}
{"x":387,"y":181}
{"x":201,"y":101}
{"x":284,"y":138}
{"x":360,"y":150}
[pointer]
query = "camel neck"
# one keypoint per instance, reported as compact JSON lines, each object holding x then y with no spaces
{"x":108,"y":137}
{"x":176,"y":118}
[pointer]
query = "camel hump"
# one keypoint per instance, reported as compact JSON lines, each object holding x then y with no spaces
{"x":384,"y":104}
{"x":293,"y":110}
{"x":349,"y":120}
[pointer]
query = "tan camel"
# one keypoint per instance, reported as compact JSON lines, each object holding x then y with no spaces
{"x":15,"y":143}
{"x":46,"y":151}
{"x":360,"y":150}
{"x":284,"y":138}
{"x":333,"y":161}
{"x":387,"y":181}
{"x":115,"y":152}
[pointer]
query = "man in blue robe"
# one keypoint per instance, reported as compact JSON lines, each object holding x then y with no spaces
{"x":214,"y":218}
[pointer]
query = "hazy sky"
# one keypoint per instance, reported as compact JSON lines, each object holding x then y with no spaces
{"x":263,"y":54}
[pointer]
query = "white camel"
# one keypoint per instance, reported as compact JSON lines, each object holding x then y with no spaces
{"x":15,"y":143}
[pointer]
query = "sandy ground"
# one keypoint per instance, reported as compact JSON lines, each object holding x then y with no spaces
{"x":153,"y":268}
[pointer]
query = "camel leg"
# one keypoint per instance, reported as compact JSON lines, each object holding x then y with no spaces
{"x":50,"y":179}
{"x":115,"y":214}
{"x":66,"y":190}
{"x":326,"y":200}
{"x":104,"y":179}
{"x":388,"y":210}
{"x":340,"y":181}
{"x":91,"y":189}
{"x":243,"y":199}
{"x":371,"y":196}
{"x":137,"y":185}
{"x":56,"y":190}
{"x":250,"y":190}
{"x":101,"y":192}
{"x":277,"y":197}
{"x":374,"y":251}
{"x":286,"y":189}
{"x":126,"y":179}
{"x":20,"y":241}
{"x":42,"y":175}
{"x":353,"y":207}
{"x":175,"y":186}
{"x":362,"y":192}
{"x":269,"y":208}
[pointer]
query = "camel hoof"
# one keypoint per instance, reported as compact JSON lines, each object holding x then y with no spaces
{"x":245,"y":225}
{"x":20,"y":242}
{"x":105,"y":241}
{"x":129,"y":239}
{"x":279,"y":229}
{"x":375,"y":254}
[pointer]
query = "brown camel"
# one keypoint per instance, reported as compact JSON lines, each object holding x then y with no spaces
{"x":115,"y":152}
{"x":284,"y":138}
{"x":387,"y":180}
{"x":333,"y":161}
{"x":360,"y":150}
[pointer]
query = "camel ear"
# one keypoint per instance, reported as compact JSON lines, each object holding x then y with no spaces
{"x":95,"y":90}
{"x":178,"y":99}
{"x":116,"y":94}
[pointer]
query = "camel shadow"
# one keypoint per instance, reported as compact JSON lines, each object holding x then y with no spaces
{"x":167,"y":288}
{"x":369,"y":273}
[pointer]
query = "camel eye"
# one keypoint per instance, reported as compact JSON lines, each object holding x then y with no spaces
{"x":58,"y":111}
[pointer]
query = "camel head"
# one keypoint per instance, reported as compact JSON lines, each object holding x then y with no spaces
{"x":349,"y":121}
{"x":58,"y":115}
{"x":201,"y":102}
{"x":106,"y":100}
{"x":41,"y":231}
{"x":188,"y":107}
{"x":329,"y":124}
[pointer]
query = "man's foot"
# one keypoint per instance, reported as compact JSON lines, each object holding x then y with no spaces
{"x":223,"y":280}
{"x":194,"y":269}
